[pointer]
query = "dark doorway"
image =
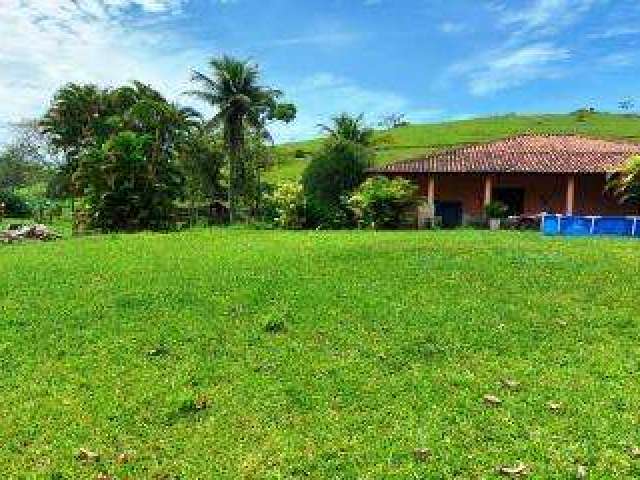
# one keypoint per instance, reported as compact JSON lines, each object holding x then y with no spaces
{"x":513,"y":198}
{"x":450,"y":213}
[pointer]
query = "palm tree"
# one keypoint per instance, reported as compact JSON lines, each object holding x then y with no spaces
{"x":241,"y":105}
{"x":350,"y":128}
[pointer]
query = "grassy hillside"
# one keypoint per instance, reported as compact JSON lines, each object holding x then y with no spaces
{"x":272,"y":355}
{"x":417,"y":140}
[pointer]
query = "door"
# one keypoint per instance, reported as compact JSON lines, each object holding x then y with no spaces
{"x":513,"y":198}
{"x":450,"y":213}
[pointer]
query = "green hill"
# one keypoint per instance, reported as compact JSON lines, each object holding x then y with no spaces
{"x":417,"y":140}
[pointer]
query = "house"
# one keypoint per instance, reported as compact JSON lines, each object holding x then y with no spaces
{"x":529,"y":173}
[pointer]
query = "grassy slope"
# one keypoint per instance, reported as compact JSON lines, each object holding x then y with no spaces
{"x":416,"y":140}
{"x":391,"y":342}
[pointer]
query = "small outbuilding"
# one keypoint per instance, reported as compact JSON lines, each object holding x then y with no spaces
{"x":530,"y":174}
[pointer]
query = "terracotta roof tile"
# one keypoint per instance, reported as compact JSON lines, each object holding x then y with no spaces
{"x":524,"y":153}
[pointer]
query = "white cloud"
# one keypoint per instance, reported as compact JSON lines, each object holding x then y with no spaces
{"x":504,"y":69}
{"x":46,"y":44}
{"x":543,"y":17}
{"x":618,"y":31}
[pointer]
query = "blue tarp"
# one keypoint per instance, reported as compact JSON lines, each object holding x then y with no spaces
{"x":577,"y":225}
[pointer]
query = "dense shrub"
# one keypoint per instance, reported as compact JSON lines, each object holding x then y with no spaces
{"x":14,"y":205}
{"x":125,"y":190}
{"x":333,"y":173}
{"x":381,"y":202}
{"x":289,"y":205}
{"x":496,"y":210}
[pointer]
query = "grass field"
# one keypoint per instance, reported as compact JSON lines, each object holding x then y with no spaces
{"x":273,"y":355}
{"x":417,"y":140}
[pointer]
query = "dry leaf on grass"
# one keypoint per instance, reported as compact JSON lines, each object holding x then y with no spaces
{"x":422,"y":454}
{"x":124,"y":457}
{"x":634,"y":452}
{"x":581,"y":473}
{"x":516,"y":471}
{"x":87,"y":456}
{"x":511,"y":384}
{"x":492,"y":400}
{"x":554,"y":406}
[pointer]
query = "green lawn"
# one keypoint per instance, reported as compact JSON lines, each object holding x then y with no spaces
{"x":417,"y":140}
{"x":273,"y":355}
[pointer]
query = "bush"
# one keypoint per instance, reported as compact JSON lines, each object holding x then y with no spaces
{"x":381,"y":202}
{"x":14,"y":205}
{"x":496,"y":210}
{"x":289,"y":205}
{"x":334,"y":171}
{"x":125,"y":190}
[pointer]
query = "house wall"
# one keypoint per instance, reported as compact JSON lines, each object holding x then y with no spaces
{"x":543,"y":192}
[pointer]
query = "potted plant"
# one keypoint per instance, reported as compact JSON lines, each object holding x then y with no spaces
{"x":495,"y":211}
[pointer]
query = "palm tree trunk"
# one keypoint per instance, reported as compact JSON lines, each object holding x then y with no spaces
{"x":235,"y":139}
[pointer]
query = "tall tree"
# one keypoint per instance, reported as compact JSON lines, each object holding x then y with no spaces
{"x":242,"y":106}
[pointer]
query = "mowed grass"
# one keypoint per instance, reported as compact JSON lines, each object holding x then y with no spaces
{"x":416,"y":141}
{"x":273,"y":355}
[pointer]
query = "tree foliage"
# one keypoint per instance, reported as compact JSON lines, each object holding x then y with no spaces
{"x":243,"y":108}
{"x":121,"y":148}
{"x":626,"y":184}
{"x":349,"y":128}
{"x":333,"y":172}
{"x":382,"y":203}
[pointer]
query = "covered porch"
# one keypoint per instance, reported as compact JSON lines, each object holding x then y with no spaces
{"x":460,"y":198}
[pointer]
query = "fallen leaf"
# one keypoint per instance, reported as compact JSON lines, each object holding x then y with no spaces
{"x":422,"y":454}
{"x":124,"y":457}
{"x":516,"y":471}
{"x":554,"y":406}
{"x":634,"y":452}
{"x":104,"y":476}
{"x":509,"y":383}
{"x":85,"y":455}
{"x":492,"y":400}
{"x":582,"y":472}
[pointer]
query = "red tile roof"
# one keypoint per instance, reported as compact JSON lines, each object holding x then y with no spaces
{"x":524,"y":154}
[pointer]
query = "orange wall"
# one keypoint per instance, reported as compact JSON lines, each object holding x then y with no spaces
{"x":543,"y":192}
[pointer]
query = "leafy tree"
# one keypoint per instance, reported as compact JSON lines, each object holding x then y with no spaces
{"x":125,"y":190}
{"x":626,"y":184}
{"x":24,"y":161}
{"x":202,"y":158}
{"x":333,"y":172}
{"x":349,"y":128}
{"x":14,"y":205}
{"x":242,"y":107}
{"x":121,"y":148}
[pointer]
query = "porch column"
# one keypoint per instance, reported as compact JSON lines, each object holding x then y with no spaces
{"x":488,"y":187}
{"x":571,"y":193}
{"x":431,"y":195}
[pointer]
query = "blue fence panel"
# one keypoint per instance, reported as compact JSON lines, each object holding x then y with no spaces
{"x":550,"y":225}
{"x":575,"y":225}
{"x":614,"y":226}
{"x":580,"y":226}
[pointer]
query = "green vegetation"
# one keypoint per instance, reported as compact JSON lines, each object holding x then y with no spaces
{"x":416,"y":140}
{"x":385,"y":203}
{"x":626,"y":185}
{"x":252,"y":354}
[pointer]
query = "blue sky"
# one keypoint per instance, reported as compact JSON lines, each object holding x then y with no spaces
{"x":430,"y":59}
